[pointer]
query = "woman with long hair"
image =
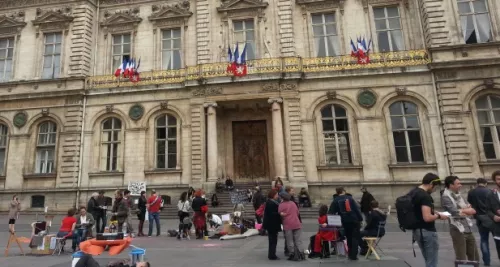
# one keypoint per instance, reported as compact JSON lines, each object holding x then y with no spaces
{"x":183,"y":208}
{"x":14,"y":208}
{"x":200,"y":208}
{"x":272,"y":223}
{"x":141,"y":214}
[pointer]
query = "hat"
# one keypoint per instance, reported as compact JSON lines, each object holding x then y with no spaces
{"x":285,"y":196}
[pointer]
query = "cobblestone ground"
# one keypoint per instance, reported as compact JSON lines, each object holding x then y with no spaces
{"x":166,"y":251}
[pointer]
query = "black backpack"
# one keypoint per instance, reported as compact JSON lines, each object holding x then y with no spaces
{"x":406,"y":212}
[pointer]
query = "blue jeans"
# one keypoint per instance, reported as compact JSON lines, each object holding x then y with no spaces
{"x":429,"y":245}
{"x":78,"y":236}
{"x":156,"y":217}
{"x":484,"y":233}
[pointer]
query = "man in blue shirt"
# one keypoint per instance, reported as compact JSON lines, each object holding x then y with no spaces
{"x":345,"y":206}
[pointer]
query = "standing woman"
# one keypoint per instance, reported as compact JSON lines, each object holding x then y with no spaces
{"x":141,"y":215}
{"x":183,"y":207}
{"x":272,"y":223}
{"x":14,"y":208}
{"x":278,"y":182}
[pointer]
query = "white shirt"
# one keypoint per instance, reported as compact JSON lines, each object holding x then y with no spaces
{"x":83,"y":219}
{"x":184,"y":206}
{"x":216,"y":219}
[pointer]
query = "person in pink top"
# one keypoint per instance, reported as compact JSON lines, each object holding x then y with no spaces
{"x":292,"y":227}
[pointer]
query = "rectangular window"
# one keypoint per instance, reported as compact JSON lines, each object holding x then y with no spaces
{"x":121,"y":49}
{"x":171,"y":49}
{"x":475,"y":21}
{"x":244,"y":33}
{"x":6,"y":55}
{"x":326,"y":39}
{"x":388,"y":27}
{"x":52,"y":55}
{"x":46,"y":148}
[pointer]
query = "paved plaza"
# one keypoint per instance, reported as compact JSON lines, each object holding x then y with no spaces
{"x":167,"y":251}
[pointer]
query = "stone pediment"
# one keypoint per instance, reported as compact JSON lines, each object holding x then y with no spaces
{"x":120,"y":19}
{"x":10,"y":26}
{"x":366,"y":3}
{"x":171,"y":12}
{"x":320,"y":5}
{"x":238,"y":5}
{"x":53,"y":17}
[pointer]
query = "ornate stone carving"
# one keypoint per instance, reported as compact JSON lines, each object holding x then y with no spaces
{"x":211,"y":104}
{"x":20,"y":119}
{"x":136,"y":112}
{"x":121,"y":20}
{"x":489,"y":83}
{"x":26,"y":3}
{"x":366,"y":3}
{"x":231,"y":8}
{"x":320,"y":5}
{"x":401,"y":90}
{"x":278,"y":100}
{"x":207,"y":91}
{"x":164,"y":105}
{"x":52,"y":19}
{"x":278,"y":87}
{"x":45,"y":112}
{"x":367,"y":98}
{"x":12,"y":24}
{"x":331,"y":94}
{"x":109,"y":108}
{"x":171,"y":14}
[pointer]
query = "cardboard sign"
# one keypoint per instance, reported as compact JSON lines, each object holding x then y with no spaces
{"x":135,"y":188}
{"x":226,"y":217}
{"x":334,"y":220}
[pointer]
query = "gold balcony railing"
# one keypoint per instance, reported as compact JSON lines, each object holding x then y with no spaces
{"x":266,"y":66}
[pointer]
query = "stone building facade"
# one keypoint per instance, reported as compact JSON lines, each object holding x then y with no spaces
{"x":428,"y":101}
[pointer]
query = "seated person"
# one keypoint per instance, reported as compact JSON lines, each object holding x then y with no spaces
{"x":88,"y":261}
{"x":373,"y":220}
{"x":83,"y":227}
{"x":68,"y":226}
{"x":229,"y":183}
{"x":214,"y":220}
{"x":215,"y":200}
{"x":324,"y":236}
{"x":304,"y":199}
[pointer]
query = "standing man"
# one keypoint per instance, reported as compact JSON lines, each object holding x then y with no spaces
{"x":345,"y":206}
{"x":478,"y":199}
{"x":93,"y":208}
{"x":100,"y":212}
{"x":464,"y":242}
{"x":425,"y":233}
{"x":258,"y":200}
{"x":494,"y":210}
{"x":366,"y":201}
{"x":154,"y":203}
{"x":126,"y":197}
{"x":120,"y":210}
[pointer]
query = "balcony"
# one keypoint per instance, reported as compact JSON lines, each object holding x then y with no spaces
{"x":266,"y":66}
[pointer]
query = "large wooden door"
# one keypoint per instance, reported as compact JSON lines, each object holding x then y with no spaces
{"x":251,"y":160}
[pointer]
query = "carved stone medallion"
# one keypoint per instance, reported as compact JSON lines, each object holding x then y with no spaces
{"x":20,"y":119}
{"x":136,"y":112}
{"x":367,"y":98}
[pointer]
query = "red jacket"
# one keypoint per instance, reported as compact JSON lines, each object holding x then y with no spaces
{"x":326,"y":235}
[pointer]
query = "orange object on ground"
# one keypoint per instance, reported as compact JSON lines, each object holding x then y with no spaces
{"x":96,"y":247}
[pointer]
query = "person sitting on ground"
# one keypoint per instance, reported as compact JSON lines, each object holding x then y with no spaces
{"x":304,"y":199}
{"x":214,"y":220}
{"x":324,"y":236}
{"x":83,"y":225}
{"x":68,"y":226}
{"x":229,"y":183}
{"x":88,"y":261}
{"x":215,"y":200}
{"x":373,"y":226}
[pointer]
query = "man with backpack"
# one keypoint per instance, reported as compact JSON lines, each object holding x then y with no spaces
{"x":345,"y":206}
{"x":416,"y":212}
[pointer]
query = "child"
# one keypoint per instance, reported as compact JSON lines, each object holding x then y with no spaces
{"x":324,"y":235}
{"x":214,"y":220}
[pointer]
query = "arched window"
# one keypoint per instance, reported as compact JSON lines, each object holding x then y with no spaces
{"x":110,"y":143}
{"x":488,"y":116}
{"x":46,"y":147}
{"x":4,"y":140}
{"x":336,"y":135}
{"x":406,"y":132}
{"x":166,"y":142}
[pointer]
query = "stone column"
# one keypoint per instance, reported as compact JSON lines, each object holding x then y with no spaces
{"x":278,"y":142}
{"x":212,"y":153}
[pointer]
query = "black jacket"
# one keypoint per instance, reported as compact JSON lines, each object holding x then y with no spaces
{"x":272,"y":218}
{"x":493,"y":207}
{"x":366,"y":202}
{"x":93,"y":207}
{"x":198,"y":202}
{"x":478,"y":199}
{"x":338,"y":207}
{"x":373,"y":221}
{"x":258,"y":199}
